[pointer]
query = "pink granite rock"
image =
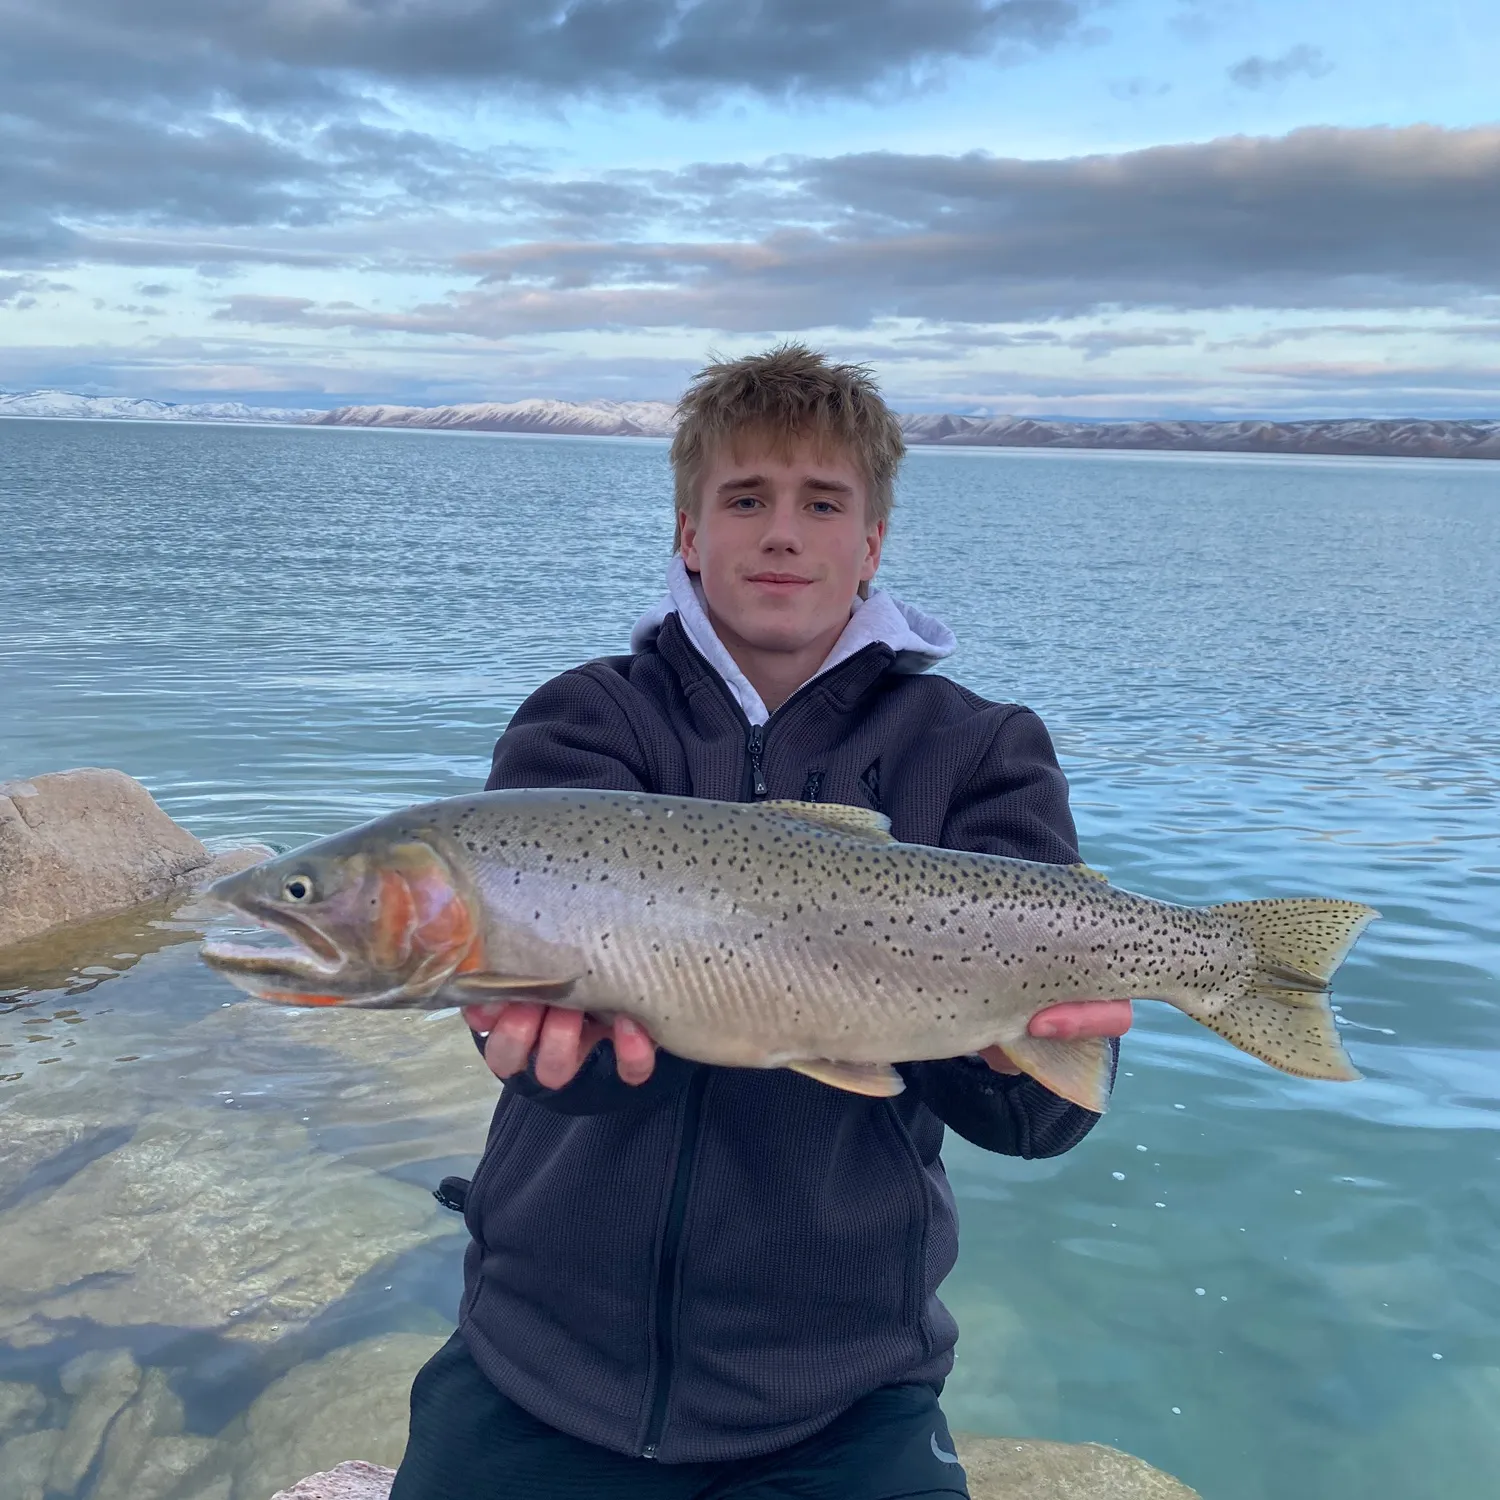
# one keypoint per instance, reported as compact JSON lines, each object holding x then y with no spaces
{"x":351,"y":1480}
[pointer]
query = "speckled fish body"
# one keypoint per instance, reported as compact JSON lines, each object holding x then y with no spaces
{"x":773,"y":934}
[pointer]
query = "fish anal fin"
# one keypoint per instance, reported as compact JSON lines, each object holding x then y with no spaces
{"x":837,"y":817}
{"x":1077,"y":1071}
{"x":877,"y":1080}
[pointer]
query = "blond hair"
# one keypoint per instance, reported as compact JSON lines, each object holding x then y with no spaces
{"x":788,"y":393}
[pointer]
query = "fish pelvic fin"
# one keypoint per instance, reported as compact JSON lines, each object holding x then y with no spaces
{"x":837,"y":817}
{"x":1285,"y":1018}
{"x":1077,"y":1071}
{"x":876,"y":1080}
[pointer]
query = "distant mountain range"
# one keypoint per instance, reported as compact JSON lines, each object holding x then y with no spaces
{"x":1379,"y":437}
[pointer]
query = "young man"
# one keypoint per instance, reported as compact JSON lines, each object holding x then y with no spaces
{"x":697,"y":1282}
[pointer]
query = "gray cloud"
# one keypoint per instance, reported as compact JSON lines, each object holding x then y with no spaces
{"x":1270,"y":72}
{"x":672,"y":47}
{"x":1320,"y":218}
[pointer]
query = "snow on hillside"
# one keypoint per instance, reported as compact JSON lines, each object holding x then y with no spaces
{"x":126,"y":408}
{"x":1411,"y":438}
{"x":593,"y":418}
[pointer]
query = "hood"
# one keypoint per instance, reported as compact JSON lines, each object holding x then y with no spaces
{"x":919,"y":640}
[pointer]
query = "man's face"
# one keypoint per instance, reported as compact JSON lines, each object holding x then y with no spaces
{"x":781,"y":543}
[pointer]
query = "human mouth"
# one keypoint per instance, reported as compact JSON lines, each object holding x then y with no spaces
{"x":781,"y":583}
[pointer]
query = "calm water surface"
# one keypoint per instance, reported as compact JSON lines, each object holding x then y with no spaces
{"x":1264,"y":677}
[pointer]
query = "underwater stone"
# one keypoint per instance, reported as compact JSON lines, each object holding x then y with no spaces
{"x":201,"y":1220}
{"x":102,"y":1382}
{"x":21,"y":1407}
{"x":354,"y":1400}
{"x":25,"y":1462}
{"x":156,"y":1413}
{"x":77,"y":844}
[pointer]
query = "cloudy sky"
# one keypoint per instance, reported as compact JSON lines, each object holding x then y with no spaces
{"x":1075,"y":207}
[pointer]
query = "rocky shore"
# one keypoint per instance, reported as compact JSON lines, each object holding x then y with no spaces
{"x":80,"y":844}
{"x":998,"y":1469}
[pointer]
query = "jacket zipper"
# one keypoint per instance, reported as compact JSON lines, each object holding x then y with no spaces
{"x":755,"y":744}
{"x":666,"y":1273}
{"x":666,"y":1270}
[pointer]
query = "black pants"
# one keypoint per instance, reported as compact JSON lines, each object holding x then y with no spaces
{"x":469,"y":1442}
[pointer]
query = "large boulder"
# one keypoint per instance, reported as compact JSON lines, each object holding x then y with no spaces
{"x":78,"y":844}
{"x":998,"y":1469}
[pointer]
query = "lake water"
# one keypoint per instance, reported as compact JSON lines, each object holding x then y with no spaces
{"x":1264,"y":677}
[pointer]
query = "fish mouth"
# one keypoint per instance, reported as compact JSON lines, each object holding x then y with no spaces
{"x":307,"y":952}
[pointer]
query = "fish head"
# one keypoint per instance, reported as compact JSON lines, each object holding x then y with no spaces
{"x":365,"y":921}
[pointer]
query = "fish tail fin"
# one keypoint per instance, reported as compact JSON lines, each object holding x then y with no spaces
{"x":1284,"y":1017}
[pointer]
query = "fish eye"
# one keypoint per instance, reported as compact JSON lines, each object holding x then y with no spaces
{"x":297,"y":888}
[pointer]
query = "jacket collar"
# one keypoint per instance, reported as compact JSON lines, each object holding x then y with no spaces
{"x":915,"y":641}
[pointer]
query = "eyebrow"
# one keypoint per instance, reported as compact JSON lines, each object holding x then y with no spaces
{"x":757,"y":481}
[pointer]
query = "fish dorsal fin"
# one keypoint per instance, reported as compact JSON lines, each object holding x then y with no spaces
{"x":837,"y":817}
{"x":1090,"y":871}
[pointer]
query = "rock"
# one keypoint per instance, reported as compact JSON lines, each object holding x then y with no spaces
{"x":354,"y":1400}
{"x":144,"y":1456}
{"x":352,"y":1480}
{"x":25,"y":1463}
{"x":204,"y":1221}
{"x":77,"y":844}
{"x":1031,"y":1469}
{"x":102,"y":1384}
{"x":998,"y":1469}
{"x":21,"y":1407}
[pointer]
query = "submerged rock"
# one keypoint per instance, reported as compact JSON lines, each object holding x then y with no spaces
{"x":204,"y":1220}
{"x":101,"y":1383}
{"x":25,"y":1462}
{"x":354,"y":1400}
{"x":78,"y":844}
{"x":21,"y":1407}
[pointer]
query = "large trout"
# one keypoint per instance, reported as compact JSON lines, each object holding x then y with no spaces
{"x":772,"y":934}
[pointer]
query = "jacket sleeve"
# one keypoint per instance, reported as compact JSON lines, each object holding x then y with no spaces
{"x":571,"y":732}
{"x":1015,"y":804}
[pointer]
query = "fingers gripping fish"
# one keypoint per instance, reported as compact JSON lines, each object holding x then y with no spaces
{"x":772,"y":934}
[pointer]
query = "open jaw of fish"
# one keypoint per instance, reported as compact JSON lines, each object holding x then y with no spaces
{"x":772,"y":935}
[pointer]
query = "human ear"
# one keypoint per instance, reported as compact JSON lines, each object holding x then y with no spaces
{"x":874,"y":541}
{"x":687,"y":543}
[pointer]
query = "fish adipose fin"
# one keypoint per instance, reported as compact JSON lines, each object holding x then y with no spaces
{"x":878,"y":1080}
{"x":1285,"y":1018}
{"x":1077,"y":1071}
{"x":837,"y":817}
{"x":1090,"y":871}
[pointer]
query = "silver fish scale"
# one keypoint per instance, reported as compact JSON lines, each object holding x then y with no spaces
{"x":742,"y":935}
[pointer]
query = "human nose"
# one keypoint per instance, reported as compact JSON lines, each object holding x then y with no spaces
{"x":782,"y":531}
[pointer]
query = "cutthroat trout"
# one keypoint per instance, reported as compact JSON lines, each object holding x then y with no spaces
{"x":772,"y":934}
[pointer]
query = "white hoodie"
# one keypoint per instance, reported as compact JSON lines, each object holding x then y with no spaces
{"x":918,"y":640}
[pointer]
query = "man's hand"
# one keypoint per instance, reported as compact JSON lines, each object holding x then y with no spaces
{"x":1069,"y":1022}
{"x":561,"y":1039}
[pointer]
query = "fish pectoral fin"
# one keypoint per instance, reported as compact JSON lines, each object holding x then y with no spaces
{"x":837,"y":817}
{"x":1077,"y":1071}
{"x":479,"y":987}
{"x":877,"y":1080}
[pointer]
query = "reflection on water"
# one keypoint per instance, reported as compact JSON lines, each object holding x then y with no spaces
{"x":219,"y":1261}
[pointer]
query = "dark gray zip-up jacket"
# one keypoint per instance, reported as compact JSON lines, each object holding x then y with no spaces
{"x":717,"y":1263}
